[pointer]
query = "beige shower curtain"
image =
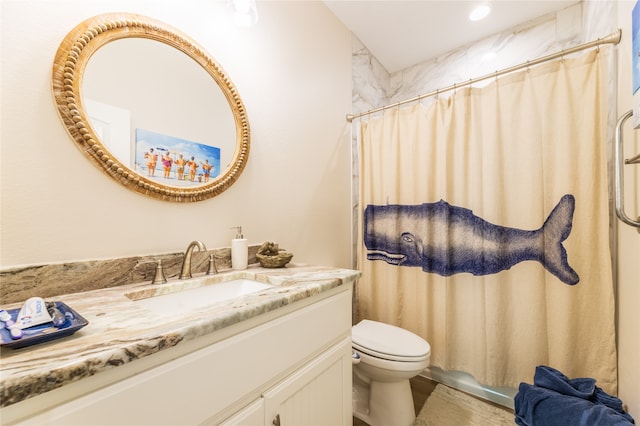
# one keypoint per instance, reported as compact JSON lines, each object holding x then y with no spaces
{"x":502,"y":156}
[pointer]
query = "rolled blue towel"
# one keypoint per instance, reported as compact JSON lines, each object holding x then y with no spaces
{"x":538,"y":406}
{"x":550,"y":378}
{"x":584,"y":388}
{"x":601,"y":397}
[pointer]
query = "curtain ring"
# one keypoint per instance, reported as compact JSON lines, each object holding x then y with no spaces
{"x":454,"y":88}
{"x":437,"y":92}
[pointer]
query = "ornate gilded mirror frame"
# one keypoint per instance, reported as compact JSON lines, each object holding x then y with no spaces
{"x":68,"y":69}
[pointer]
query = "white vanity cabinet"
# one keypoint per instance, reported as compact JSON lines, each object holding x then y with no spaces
{"x":309,"y":396}
{"x":294,"y":367}
{"x":313,"y":395}
{"x":251,"y":415}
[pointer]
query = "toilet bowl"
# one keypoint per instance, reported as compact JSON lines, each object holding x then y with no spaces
{"x":385,"y":358}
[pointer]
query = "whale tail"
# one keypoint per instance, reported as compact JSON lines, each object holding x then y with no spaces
{"x":555,"y":230}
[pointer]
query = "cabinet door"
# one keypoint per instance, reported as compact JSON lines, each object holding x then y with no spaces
{"x":251,"y":415}
{"x":317,"y":394}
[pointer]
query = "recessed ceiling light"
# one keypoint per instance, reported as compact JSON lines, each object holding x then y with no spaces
{"x":480,"y":12}
{"x":245,"y":12}
{"x":489,"y":56}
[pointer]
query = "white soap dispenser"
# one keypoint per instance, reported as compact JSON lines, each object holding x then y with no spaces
{"x":239,"y":250}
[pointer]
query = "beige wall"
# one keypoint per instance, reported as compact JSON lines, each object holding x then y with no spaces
{"x":628,"y":265}
{"x":293,"y":72}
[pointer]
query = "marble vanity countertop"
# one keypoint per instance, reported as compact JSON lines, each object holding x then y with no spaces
{"x":121,"y":331}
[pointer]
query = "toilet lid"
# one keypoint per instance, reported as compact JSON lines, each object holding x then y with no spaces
{"x":388,"y":341}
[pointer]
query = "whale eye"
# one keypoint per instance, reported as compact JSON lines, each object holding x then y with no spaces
{"x":407,"y":237}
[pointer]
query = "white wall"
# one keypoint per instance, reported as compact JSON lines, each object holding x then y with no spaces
{"x":293,"y":72}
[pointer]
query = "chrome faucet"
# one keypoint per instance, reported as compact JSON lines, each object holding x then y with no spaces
{"x":185,"y":272}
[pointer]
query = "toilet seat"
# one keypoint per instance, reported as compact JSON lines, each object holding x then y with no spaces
{"x":389,"y":342}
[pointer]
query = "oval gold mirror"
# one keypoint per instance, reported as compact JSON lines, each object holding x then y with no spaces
{"x":150,"y":107}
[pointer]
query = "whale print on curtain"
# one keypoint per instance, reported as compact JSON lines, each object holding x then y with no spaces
{"x":508,"y":157}
{"x":446,"y":240}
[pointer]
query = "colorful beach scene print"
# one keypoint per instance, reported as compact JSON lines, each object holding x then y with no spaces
{"x":175,"y":161}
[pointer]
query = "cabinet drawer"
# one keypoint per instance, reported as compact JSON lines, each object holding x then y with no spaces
{"x":253,"y":415}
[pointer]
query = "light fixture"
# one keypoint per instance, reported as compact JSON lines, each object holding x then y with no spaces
{"x":489,"y":56}
{"x":480,"y":12}
{"x":245,"y":12}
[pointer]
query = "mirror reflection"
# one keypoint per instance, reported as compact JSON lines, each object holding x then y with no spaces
{"x":162,"y":115}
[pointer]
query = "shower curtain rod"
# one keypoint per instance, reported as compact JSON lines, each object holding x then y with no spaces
{"x":613,"y":38}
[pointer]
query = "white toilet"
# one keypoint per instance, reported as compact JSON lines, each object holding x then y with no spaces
{"x":385,"y":357}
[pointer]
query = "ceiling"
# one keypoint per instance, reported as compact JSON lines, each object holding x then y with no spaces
{"x":403,"y":33}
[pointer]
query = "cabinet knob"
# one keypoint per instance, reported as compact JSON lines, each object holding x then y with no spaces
{"x":276,"y":421}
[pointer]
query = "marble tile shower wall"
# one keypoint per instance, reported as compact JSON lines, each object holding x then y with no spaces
{"x":374,"y":87}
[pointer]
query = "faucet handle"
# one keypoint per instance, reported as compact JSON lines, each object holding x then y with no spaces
{"x":159,"y":277}
{"x":212,"y":266}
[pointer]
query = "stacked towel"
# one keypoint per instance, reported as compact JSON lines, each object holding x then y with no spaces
{"x":555,"y":400}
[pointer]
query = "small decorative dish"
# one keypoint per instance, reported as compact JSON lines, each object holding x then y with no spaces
{"x":43,"y":332}
{"x":271,"y":256}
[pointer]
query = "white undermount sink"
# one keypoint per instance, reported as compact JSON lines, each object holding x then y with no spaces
{"x":182,"y":300}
